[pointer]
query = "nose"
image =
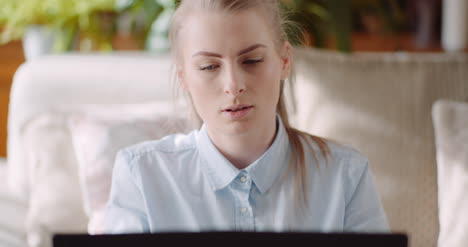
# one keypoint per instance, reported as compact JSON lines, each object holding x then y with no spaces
{"x":235,"y":84}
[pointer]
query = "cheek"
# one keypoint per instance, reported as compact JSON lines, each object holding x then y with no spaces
{"x":203,"y":95}
{"x":199,"y":85}
{"x":268,"y":80}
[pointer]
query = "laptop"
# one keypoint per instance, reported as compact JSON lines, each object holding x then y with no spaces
{"x":243,"y":239}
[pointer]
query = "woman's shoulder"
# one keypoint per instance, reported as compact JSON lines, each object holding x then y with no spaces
{"x":345,"y":151}
{"x":160,"y":158}
{"x":171,"y":144}
{"x":337,"y":153}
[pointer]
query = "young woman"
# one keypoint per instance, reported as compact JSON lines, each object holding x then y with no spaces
{"x":246,"y":168}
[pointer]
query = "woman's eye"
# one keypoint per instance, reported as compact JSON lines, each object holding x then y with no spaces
{"x":253,"y":61}
{"x":209,"y":67}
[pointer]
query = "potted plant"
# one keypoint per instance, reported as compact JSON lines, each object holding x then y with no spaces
{"x":58,"y":21}
{"x":149,"y":19}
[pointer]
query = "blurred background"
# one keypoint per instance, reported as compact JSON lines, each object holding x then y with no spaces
{"x":33,"y":28}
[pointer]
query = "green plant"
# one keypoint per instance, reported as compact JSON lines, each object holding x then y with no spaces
{"x":91,"y":21}
{"x":323,"y":20}
{"x":150,"y":19}
{"x":66,"y":17}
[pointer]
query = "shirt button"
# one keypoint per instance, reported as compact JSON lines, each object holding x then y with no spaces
{"x":243,"y":210}
{"x":243,"y":179}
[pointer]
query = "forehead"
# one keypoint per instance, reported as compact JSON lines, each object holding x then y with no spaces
{"x":224,"y":33}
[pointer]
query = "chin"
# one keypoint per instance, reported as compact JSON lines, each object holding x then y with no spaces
{"x":240,"y":127}
{"x":231,"y":127}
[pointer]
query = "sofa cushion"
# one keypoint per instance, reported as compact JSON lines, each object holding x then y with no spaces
{"x":100,"y":132}
{"x":381,"y":104}
{"x":451,"y":132}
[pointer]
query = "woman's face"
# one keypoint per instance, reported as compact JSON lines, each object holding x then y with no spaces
{"x":232,"y":70}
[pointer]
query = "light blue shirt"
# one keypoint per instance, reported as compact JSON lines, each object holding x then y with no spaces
{"x":183,"y":183}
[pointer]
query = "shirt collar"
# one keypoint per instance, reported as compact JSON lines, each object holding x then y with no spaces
{"x":264,"y":171}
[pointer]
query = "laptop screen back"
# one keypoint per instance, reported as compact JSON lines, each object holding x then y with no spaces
{"x":232,"y":238}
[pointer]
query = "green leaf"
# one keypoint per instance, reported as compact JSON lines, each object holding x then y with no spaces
{"x":341,"y":21}
{"x":318,"y":10}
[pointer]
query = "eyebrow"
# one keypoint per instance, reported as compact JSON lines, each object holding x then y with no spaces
{"x":243,"y":51}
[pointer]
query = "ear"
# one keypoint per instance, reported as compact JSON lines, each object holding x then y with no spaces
{"x":286,"y":60}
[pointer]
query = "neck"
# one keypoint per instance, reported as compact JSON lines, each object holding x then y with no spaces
{"x":243,"y":149}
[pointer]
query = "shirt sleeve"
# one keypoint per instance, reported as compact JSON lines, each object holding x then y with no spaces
{"x":364,"y":211}
{"x":125,"y":211}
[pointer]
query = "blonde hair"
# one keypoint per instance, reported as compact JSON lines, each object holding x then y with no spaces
{"x":273,"y":11}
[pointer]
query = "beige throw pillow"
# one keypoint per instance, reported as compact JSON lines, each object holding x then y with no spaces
{"x":451,"y":132}
{"x":97,"y":137}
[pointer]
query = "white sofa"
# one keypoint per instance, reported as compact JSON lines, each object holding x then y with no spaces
{"x":12,"y":213}
{"x":379,"y":103}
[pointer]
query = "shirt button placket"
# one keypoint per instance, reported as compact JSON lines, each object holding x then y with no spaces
{"x":245,"y":210}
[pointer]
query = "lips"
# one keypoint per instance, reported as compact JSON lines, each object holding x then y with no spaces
{"x":235,"y":108}
{"x":237,"y":112}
